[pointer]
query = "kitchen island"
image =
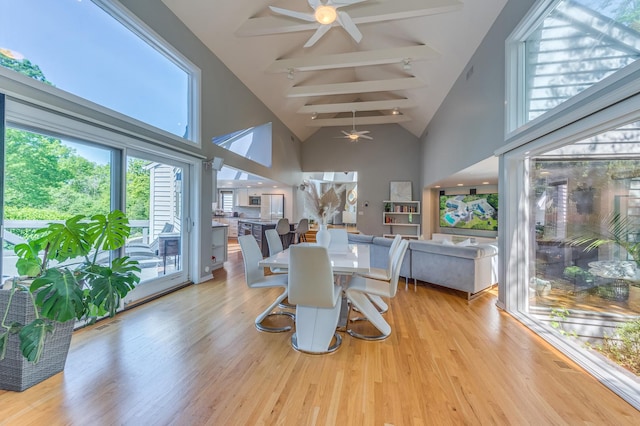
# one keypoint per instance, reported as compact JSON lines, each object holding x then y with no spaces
{"x":257,"y":228}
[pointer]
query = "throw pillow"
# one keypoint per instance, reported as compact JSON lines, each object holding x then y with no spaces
{"x":464,"y":243}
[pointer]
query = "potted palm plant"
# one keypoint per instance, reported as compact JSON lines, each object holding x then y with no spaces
{"x":67,"y":274}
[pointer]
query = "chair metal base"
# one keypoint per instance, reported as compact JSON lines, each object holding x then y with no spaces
{"x":365,"y":336}
{"x":286,"y":305}
{"x":357,"y":335}
{"x":337,"y":342}
{"x":261,"y":327}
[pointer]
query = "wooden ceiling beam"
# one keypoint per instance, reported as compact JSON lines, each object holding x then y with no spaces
{"x":357,"y":106}
{"x":360,"y":121}
{"x":356,"y":87}
{"x":354,"y":59}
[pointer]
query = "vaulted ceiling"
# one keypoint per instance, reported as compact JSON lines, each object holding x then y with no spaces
{"x":410,"y":54}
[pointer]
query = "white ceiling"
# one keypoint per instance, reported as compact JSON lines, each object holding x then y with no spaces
{"x":337,"y":75}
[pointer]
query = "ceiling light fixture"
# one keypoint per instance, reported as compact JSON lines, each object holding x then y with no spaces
{"x":314,"y":115}
{"x":290,"y":73}
{"x":325,"y":15}
{"x":395,"y":111}
{"x":406,"y":64}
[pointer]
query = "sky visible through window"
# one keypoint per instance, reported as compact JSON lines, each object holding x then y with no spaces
{"x":83,"y":50}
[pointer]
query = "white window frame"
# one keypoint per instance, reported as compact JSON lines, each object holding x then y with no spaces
{"x":608,"y":91}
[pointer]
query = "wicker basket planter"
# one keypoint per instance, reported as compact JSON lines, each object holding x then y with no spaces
{"x":18,"y":374}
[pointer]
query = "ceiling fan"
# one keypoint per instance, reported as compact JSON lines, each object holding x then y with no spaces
{"x":325,"y":14}
{"x":354,"y":134}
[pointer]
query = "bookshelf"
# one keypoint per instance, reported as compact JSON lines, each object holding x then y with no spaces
{"x":402,"y":217}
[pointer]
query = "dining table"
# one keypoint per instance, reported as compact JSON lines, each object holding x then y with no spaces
{"x":354,"y":259}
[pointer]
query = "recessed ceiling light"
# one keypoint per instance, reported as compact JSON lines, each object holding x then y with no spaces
{"x":314,"y":115}
{"x":461,"y":184}
{"x":395,"y":111}
{"x":437,"y":186}
{"x":485,"y":183}
{"x":259,"y":183}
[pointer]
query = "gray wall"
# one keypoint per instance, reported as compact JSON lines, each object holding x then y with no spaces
{"x":392,"y":155}
{"x":470,"y":124}
{"x":227,"y":105}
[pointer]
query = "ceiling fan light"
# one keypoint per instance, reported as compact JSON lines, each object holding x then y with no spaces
{"x":325,"y":15}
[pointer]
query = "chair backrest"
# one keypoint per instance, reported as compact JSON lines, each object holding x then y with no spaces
{"x":273,"y":241}
{"x":303,"y":226}
{"x":392,"y":249}
{"x":283,"y":226}
{"x":310,"y":277}
{"x":339,"y":239}
{"x":398,"y":257}
{"x":251,"y":254}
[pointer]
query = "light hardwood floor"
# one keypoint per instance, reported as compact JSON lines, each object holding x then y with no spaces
{"x":194,"y":358}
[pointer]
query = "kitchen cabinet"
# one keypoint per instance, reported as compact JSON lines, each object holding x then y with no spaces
{"x":242,"y":197}
{"x":232,"y":231}
{"x":218,"y":246}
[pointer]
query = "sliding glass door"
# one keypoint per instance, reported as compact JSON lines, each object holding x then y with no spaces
{"x":155,"y":197}
{"x":48,"y":178}
{"x":56,"y":167}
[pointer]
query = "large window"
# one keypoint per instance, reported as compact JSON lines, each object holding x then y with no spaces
{"x":569,"y":46}
{"x":570,"y":247}
{"x":95,"y":50}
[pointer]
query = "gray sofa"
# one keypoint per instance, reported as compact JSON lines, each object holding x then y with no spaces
{"x":470,"y":269}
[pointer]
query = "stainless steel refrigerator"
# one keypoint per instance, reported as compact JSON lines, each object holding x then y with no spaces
{"x":272,"y":206}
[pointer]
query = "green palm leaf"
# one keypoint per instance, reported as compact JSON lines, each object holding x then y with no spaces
{"x":614,"y":229}
{"x":108,"y":232}
{"x":32,"y":337}
{"x":64,"y":240}
{"x":109,"y":285}
{"x":59,"y":295}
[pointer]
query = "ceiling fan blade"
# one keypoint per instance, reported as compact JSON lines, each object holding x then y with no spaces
{"x":362,"y":132}
{"x":366,"y":137}
{"x":345,"y":20}
{"x":322,"y":29}
{"x":293,"y":14}
{"x":341,"y":3}
{"x":314,"y":3}
{"x":345,"y":133}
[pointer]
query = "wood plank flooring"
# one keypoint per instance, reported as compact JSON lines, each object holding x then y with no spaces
{"x":194,"y":358}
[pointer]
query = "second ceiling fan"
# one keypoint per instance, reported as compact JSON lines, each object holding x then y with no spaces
{"x":325,"y":14}
{"x":354,"y":135}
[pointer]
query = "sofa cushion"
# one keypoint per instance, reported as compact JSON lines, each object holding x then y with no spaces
{"x":469,"y":252}
{"x":360,"y":238}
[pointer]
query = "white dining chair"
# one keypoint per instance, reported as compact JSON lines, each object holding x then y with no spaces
{"x":360,"y":288}
{"x":284,"y":231}
{"x":275,"y":246}
{"x":255,"y":278}
{"x":317,"y":299}
{"x":383,"y":274}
